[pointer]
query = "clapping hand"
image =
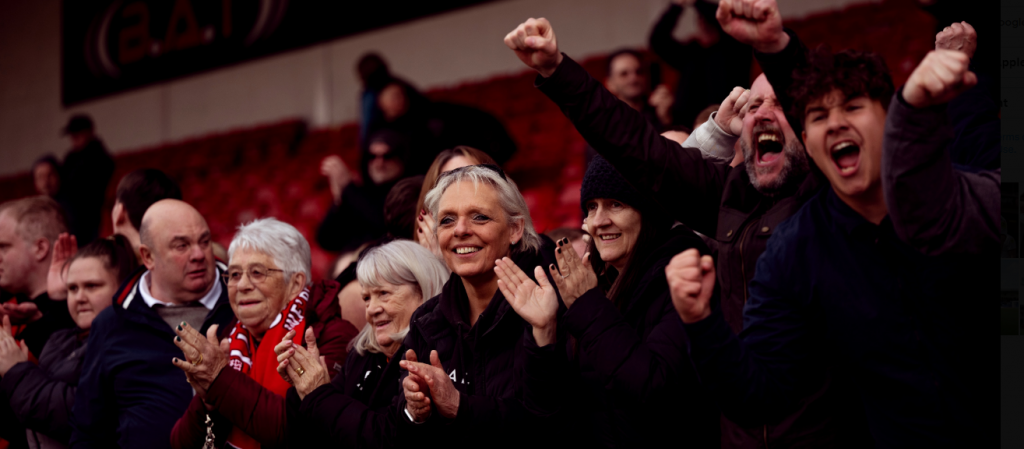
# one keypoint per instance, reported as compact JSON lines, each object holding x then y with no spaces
{"x":574,"y":276}
{"x":302,"y":367}
{"x":12,"y":352}
{"x":537,"y":304}
{"x":691,"y":281}
{"x":63,"y":249}
{"x":204,"y":356}
{"x":22,"y":313}
{"x":443,"y":395}
{"x":425,"y":230}
{"x":753,"y":22}
{"x":535,"y":44}
{"x":732,"y":111}
{"x":417,"y":393}
{"x":941,"y":76}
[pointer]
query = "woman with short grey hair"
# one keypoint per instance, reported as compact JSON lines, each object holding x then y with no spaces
{"x":354,"y":407}
{"x":469,"y":348}
{"x":269,"y":289}
{"x":509,"y":199}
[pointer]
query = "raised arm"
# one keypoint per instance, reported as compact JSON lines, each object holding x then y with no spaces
{"x":650,"y":162}
{"x":778,"y":51}
{"x":676,"y":54}
{"x":934,"y":208}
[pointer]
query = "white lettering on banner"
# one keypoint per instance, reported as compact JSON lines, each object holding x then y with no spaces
{"x":452,"y":376}
{"x":294,"y":317}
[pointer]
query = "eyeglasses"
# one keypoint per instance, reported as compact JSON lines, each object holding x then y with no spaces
{"x":257,"y":274}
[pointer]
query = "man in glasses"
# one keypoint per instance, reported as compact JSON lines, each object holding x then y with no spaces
{"x":130,"y":395}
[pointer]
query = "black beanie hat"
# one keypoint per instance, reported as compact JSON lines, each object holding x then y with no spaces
{"x":603,"y":181}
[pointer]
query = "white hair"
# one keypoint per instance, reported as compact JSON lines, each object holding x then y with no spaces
{"x":277,"y":239}
{"x":401,"y":262}
{"x":509,"y":198}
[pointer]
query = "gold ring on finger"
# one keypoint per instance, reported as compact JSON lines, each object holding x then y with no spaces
{"x":200,"y":361}
{"x":300,"y":370}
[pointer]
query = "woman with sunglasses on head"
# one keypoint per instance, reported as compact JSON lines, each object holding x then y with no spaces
{"x":469,"y":353}
{"x":239,"y":394}
{"x":629,"y":346}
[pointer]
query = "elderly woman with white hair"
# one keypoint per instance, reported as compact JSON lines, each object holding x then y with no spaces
{"x":269,"y":288}
{"x":478,"y":340}
{"x":352,"y":410}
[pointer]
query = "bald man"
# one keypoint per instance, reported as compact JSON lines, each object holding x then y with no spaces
{"x":130,"y":395}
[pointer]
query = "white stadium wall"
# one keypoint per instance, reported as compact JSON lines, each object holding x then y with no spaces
{"x":317,"y":83}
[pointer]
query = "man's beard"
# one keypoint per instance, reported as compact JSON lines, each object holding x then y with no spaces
{"x":794,"y":164}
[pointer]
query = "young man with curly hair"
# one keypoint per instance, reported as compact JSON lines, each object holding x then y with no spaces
{"x":839,"y":286}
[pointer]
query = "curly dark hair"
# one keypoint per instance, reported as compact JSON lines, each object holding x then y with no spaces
{"x":854,"y":73}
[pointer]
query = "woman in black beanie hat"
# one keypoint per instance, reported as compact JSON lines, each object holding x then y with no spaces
{"x":630,"y":349}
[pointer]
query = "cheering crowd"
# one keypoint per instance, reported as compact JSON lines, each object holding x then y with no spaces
{"x":798,"y":270}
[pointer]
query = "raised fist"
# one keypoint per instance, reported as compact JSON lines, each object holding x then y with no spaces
{"x":691,"y":281}
{"x":753,"y":22}
{"x":958,"y":36}
{"x":733,"y":109}
{"x":534,"y":43}
{"x":939,"y":78}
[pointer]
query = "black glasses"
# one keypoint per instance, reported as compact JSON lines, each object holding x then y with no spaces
{"x":257,"y":274}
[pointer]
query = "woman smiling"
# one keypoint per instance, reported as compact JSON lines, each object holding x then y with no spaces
{"x":269,"y":291}
{"x":352,"y":410}
{"x":630,"y":348}
{"x":479,"y":348}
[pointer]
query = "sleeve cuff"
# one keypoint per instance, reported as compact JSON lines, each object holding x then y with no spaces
{"x":712,"y":140}
{"x":585,"y":311}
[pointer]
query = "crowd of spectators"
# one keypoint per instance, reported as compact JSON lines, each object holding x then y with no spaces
{"x":781,"y":261}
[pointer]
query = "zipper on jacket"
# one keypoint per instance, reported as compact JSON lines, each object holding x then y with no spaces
{"x":743,"y":269}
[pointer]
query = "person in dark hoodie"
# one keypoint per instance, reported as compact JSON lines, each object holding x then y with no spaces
{"x":84,"y":176}
{"x":129,"y":394}
{"x":41,"y":396}
{"x":270,"y":292}
{"x":479,"y":355}
{"x":434,"y":126}
{"x":357,"y":215}
{"x":354,"y":409}
{"x":838,"y":283}
{"x":709,"y":65}
{"x":629,"y":347}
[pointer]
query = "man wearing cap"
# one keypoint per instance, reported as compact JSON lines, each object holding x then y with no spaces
{"x":84,"y":177}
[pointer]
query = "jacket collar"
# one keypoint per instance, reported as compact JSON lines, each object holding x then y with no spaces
{"x":129,"y":305}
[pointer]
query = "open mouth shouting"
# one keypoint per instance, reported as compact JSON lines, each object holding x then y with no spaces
{"x":846,"y":156}
{"x":768,"y":144}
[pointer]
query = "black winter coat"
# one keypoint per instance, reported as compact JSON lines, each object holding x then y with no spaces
{"x":41,"y":396}
{"x":634,"y":362}
{"x":712,"y":198}
{"x":357,"y":409}
{"x":492,"y":364}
